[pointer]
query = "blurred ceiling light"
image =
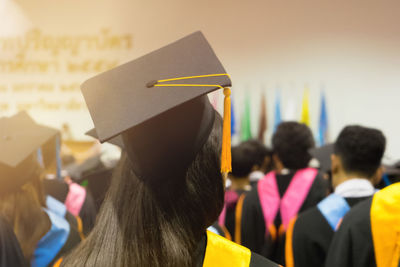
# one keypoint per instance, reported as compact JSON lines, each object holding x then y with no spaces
{"x":13,"y":19}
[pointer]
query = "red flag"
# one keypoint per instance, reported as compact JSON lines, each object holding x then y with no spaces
{"x":263,"y":124}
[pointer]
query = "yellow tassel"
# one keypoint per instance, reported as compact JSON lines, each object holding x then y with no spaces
{"x":226,"y":158}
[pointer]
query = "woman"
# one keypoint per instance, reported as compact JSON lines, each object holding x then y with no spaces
{"x":168,"y":187}
{"x":42,"y":234}
{"x":10,"y":251}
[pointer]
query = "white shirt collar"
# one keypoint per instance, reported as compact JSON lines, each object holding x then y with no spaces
{"x":256,"y":175}
{"x":356,"y":187}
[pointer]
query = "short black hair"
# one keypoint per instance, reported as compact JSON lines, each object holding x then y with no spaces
{"x":261,"y":151}
{"x":360,"y":149}
{"x":291,"y":143}
{"x":246,"y":155}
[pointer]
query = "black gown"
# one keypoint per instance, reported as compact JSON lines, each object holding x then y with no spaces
{"x":253,"y":225}
{"x":11,"y":253}
{"x":231,"y":208}
{"x":312,"y":236}
{"x":352,"y":245}
{"x":59,"y":190}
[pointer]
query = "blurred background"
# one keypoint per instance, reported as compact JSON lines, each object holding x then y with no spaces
{"x":294,"y":55}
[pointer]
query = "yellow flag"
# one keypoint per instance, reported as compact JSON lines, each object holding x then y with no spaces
{"x":305,"y":108}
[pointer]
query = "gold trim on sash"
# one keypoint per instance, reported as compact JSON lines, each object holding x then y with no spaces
{"x":224,"y":253}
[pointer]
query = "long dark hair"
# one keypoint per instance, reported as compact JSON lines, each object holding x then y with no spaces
{"x":23,"y":209}
{"x":143,"y":224}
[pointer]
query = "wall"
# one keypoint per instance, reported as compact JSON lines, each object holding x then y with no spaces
{"x":350,"y":48}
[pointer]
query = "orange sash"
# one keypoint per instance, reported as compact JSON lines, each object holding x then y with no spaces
{"x":385,"y":226}
{"x":224,"y":253}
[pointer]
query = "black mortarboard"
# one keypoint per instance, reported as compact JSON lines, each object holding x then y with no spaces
{"x":115,"y":141}
{"x":20,"y":138}
{"x":158,"y":103}
{"x":323,"y":155}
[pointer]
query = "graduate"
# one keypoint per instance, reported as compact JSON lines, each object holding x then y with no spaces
{"x":79,"y":203}
{"x":282,"y":194}
{"x":42,"y":234}
{"x":245,"y":159}
{"x":263,"y":161}
{"x":369,"y":234}
{"x":168,"y":187}
{"x":10,"y":251}
{"x":356,"y":166}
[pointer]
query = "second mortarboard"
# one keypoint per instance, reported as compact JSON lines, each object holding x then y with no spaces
{"x":20,"y":138}
{"x":158,"y":104}
{"x":323,"y":155}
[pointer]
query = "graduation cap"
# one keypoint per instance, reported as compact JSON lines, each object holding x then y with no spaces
{"x":158,"y":104}
{"x":115,"y":141}
{"x":20,"y":138}
{"x":323,"y":155}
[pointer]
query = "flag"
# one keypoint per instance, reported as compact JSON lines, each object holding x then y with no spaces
{"x":323,"y":122}
{"x":233,"y":119}
{"x":246,"y":123}
{"x":277,"y":115}
{"x":305,"y":108}
{"x":263,"y":124}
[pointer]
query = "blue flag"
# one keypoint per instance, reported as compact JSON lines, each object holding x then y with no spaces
{"x":233,"y":119}
{"x":277,"y":115}
{"x":58,"y":156}
{"x":323,"y":122}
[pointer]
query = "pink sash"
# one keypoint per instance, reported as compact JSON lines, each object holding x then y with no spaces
{"x":231,"y":197}
{"x":75,"y":198}
{"x":291,"y":202}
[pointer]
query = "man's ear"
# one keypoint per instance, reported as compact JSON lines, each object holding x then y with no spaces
{"x":335,"y":163}
{"x":376,"y":179}
{"x":277,"y":163}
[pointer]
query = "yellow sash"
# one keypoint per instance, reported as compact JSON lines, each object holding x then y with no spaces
{"x":385,"y":226}
{"x":224,"y":253}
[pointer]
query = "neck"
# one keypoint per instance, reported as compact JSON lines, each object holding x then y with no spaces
{"x":346,"y":177}
{"x":240,"y":183}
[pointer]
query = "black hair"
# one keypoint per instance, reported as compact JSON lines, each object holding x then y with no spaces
{"x":291,"y":143}
{"x":140,"y":226}
{"x":261,"y":151}
{"x":247,"y":155}
{"x":360,"y":149}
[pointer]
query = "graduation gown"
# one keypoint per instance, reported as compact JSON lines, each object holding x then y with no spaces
{"x":254,"y":234}
{"x":309,"y":237}
{"x":59,"y":240}
{"x":10,"y":251}
{"x":214,"y":250}
{"x":369,"y":234}
{"x":60,"y":209}
{"x":216,"y":228}
{"x":60,"y":190}
{"x":231,"y":214}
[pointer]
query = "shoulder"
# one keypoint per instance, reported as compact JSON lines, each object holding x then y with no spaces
{"x":252,"y":196}
{"x":320,"y":181}
{"x":359,"y":215}
{"x":258,"y":261}
{"x":308,"y":221}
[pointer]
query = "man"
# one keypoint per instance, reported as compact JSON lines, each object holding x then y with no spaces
{"x":281,"y":194}
{"x":246,"y":157}
{"x":263,"y":161}
{"x":355,"y":162}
